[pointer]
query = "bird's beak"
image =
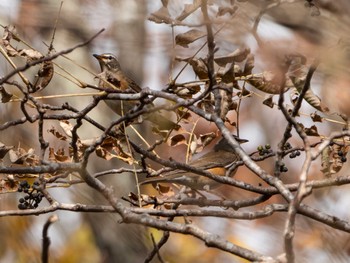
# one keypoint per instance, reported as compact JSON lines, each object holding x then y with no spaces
{"x":240,"y":140}
{"x":98,"y":57}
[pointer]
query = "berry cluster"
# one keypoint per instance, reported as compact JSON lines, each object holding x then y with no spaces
{"x":283,"y":168}
{"x":294,"y":154}
{"x":342,"y":156}
{"x":263,"y":150}
{"x":32,"y":198}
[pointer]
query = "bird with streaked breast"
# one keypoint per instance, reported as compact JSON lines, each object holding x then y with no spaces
{"x":111,"y":73}
{"x":217,"y":162}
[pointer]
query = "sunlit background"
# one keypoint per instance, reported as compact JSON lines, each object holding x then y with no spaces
{"x":146,"y":51}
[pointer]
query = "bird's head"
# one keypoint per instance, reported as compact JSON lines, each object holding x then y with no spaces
{"x":107,"y":61}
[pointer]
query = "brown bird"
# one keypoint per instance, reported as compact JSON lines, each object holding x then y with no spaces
{"x":216,"y":162}
{"x":113,"y":74}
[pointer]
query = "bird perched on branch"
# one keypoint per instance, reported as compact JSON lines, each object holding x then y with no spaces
{"x":217,"y":162}
{"x":112,"y":77}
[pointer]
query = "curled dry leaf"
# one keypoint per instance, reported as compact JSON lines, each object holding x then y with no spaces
{"x":238,"y":55}
{"x":43,"y":77}
{"x":267,"y":82}
{"x":115,"y":148}
{"x":189,"y":9}
{"x":8,"y":184}
{"x":227,"y":10}
{"x":312,"y":131}
{"x":67,"y":127}
{"x":269,"y":101}
{"x":184,"y":114}
{"x":4,"y":150}
{"x":59,"y":156}
{"x":198,"y":65}
{"x":207,"y":138}
{"x":22,"y":157}
{"x":5,"y":96}
{"x":161,"y":16}
{"x":189,"y":37}
{"x":177,"y":139}
{"x":57,"y":134}
{"x":249,"y":65}
{"x":331,"y":160}
{"x":315,"y":117}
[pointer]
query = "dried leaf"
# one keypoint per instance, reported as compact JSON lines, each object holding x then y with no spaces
{"x":5,"y":96}
{"x":115,"y":148}
{"x":207,"y":138}
{"x":57,"y":134}
{"x":269,"y":101}
{"x":183,"y":113}
{"x":67,"y":127}
{"x":177,"y":139}
{"x":30,"y":54}
{"x":236,"y":56}
{"x":312,"y":131}
{"x":310,"y":96}
{"x":249,"y":65}
{"x":161,"y":16}
{"x":43,"y":77}
{"x":268,"y":83}
{"x":315,"y":117}
{"x":189,"y":37}
{"x":189,"y":9}
{"x":4,"y":150}
{"x":193,"y":146}
{"x":8,"y":184}
{"x":227,"y":10}
{"x":58,"y":156}
{"x":22,"y":157}
{"x":331,"y":160}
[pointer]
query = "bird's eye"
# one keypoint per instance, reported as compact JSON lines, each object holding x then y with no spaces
{"x":109,"y":57}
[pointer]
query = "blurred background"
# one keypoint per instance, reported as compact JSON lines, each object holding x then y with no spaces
{"x":146,"y":51}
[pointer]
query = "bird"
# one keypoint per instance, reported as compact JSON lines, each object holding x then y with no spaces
{"x":217,"y":162}
{"x":111,"y":73}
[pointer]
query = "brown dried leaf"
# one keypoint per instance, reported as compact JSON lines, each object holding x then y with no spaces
{"x":5,"y":96}
{"x":310,"y":96}
{"x":268,"y":83}
{"x":207,"y":138}
{"x":177,"y":139}
{"x":236,"y":56}
{"x":30,"y":54}
{"x":20,"y":156}
{"x":312,"y":131}
{"x":161,"y":16}
{"x":249,"y":65}
{"x":8,"y":184}
{"x":184,"y":114}
{"x":315,"y":117}
{"x":58,"y":156}
{"x":331,"y":161}
{"x":57,"y":134}
{"x":4,"y":150}
{"x":115,"y":148}
{"x":67,"y":127}
{"x":227,"y":10}
{"x":189,"y":37}
{"x":43,"y":77}
{"x":269,"y":101}
{"x":189,"y":9}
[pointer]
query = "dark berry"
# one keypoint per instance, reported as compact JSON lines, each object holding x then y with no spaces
{"x":343,"y":159}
